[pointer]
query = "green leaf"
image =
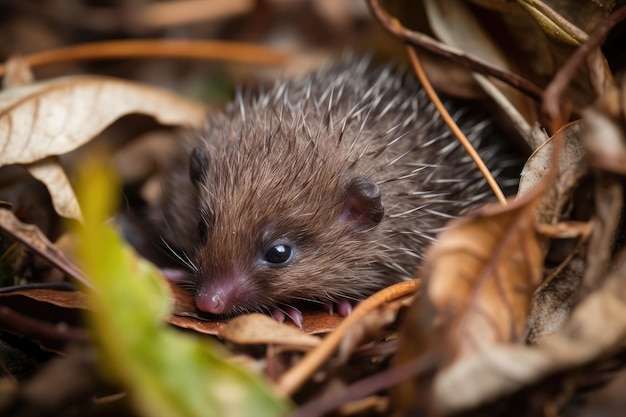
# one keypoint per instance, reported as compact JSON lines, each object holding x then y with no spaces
{"x":166,"y":372}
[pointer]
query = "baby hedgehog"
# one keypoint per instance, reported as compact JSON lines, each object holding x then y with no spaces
{"x":321,"y":190}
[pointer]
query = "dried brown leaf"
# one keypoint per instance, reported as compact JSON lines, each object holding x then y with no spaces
{"x":51,"y":317}
{"x":65,"y":299}
{"x":261,"y":329}
{"x":57,"y":116}
{"x":186,"y":316}
{"x":572,"y":166}
{"x":32,"y":237}
{"x":482,"y":273}
{"x":454,"y":24}
{"x":50,"y":172}
{"x":554,"y":300}
{"x":373,"y":327}
{"x":479,"y":279}
{"x":545,"y":34}
{"x":54,"y":117}
{"x":604,"y":141}
{"x":596,"y":329}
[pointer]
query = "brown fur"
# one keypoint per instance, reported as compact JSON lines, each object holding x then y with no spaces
{"x":278,"y":166}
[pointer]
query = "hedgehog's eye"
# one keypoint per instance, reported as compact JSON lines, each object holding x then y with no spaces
{"x":279,"y":255}
{"x":203,"y":231}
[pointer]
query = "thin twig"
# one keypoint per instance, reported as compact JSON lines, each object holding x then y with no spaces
{"x":295,"y":377}
{"x":385,"y":379}
{"x":570,"y":33}
{"x":394,"y":27}
{"x":469,"y":148}
{"x":159,"y":48}
{"x":554,"y":90}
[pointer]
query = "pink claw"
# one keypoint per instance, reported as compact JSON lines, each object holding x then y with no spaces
{"x":278,"y":315}
{"x":344,"y":307}
{"x":295,"y":315}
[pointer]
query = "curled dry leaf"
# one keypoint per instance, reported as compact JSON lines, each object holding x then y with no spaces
{"x":50,"y":172}
{"x":482,"y":273}
{"x":545,"y":34}
{"x":373,"y":327}
{"x":604,"y":142}
{"x":554,"y":300}
{"x":479,"y":279}
{"x":595,"y":330}
{"x":32,"y":237}
{"x":454,"y":24}
{"x":261,"y":329}
{"x":54,"y":117}
{"x":604,"y":137}
{"x":75,"y":300}
{"x":51,"y":317}
{"x":571,"y":165}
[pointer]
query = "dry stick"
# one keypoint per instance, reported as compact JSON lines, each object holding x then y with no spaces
{"x":156,"y":15}
{"x":139,"y":16}
{"x":453,"y":126}
{"x":552,"y":95}
{"x":158,"y":48}
{"x":330,"y":400}
{"x":576,"y":34}
{"x":298,"y":374}
{"x":394,"y":27}
{"x":39,"y":329}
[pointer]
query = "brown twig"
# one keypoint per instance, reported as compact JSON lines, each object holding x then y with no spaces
{"x":394,"y":27}
{"x":385,"y":379}
{"x":183,"y":12}
{"x":554,"y":90}
{"x":571,"y":33}
{"x":469,"y":148}
{"x":33,"y":328}
{"x":159,"y":48}
{"x":295,"y":377}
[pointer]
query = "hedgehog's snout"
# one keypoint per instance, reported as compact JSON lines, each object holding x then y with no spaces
{"x":221,"y":294}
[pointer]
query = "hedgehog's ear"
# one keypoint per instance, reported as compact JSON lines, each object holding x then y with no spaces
{"x":362,"y":203}
{"x":198,"y":164}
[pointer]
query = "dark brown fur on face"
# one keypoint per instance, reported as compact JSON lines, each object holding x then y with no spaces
{"x":344,"y":178}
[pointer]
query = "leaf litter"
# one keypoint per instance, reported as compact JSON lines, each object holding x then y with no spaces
{"x":520,"y":304}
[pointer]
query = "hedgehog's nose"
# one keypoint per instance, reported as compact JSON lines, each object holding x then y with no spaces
{"x":220,"y":293}
{"x":210,"y":303}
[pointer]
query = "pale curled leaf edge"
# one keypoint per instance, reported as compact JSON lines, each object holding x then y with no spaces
{"x":50,"y":172}
{"x":505,"y":369}
{"x":165,"y":106}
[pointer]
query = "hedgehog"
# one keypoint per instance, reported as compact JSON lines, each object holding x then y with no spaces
{"x":319,"y":190}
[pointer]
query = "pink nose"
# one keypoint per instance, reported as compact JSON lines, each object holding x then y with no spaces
{"x":222,"y":293}
{"x":210,"y":303}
